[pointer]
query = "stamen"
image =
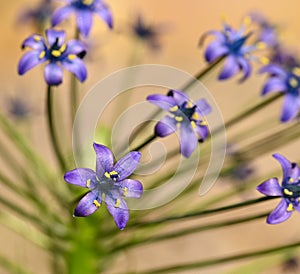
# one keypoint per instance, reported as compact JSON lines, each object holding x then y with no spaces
{"x":63,"y":48}
{"x":247,"y":21}
{"x":264,"y":60}
{"x":173,"y":109}
{"x":261,"y":45}
{"x":72,"y":56}
{"x":287,"y":192}
{"x":107,"y":175}
{"x":88,"y":183}
{"x":189,"y":104}
{"x":125,"y":191}
{"x":56,"y":53}
{"x":178,"y":118}
{"x":118,"y":202}
{"x":291,"y":180}
{"x":87,"y":2}
{"x":296,"y":71}
{"x":42,"y":54}
{"x":37,"y":38}
{"x":195,"y":116}
{"x":290,"y":208}
{"x":203,"y":123}
{"x":293,"y":82}
{"x":193,"y":124}
{"x":96,"y":203}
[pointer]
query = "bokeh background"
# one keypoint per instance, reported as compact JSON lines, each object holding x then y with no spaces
{"x":182,"y":23}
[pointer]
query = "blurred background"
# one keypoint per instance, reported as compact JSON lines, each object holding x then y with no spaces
{"x":181,"y":24}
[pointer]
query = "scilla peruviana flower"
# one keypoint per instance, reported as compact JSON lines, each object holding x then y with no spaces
{"x":108,"y":182}
{"x":56,"y":52}
{"x":289,"y":190}
{"x":84,"y":11}
{"x":186,"y":115}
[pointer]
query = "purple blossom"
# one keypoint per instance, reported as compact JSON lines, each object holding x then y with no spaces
{"x":108,"y":182}
{"x":84,"y":10}
{"x":186,"y":115}
{"x":231,"y":45}
{"x":56,"y":52}
{"x":289,"y":191}
{"x":286,"y":81}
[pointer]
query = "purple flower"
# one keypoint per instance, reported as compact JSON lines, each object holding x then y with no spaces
{"x":288,"y":82}
{"x":231,"y":44}
{"x":289,"y":191}
{"x":56,"y":51}
{"x":186,"y":115}
{"x":84,"y":10}
{"x":108,"y":182}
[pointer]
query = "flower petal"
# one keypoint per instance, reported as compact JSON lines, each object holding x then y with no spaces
{"x":188,"y":139}
{"x":29,"y":60}
{"x":274,"y":70}
{"x":203,"y":108}
{"x":52,"y":36}
{"x":84,"y":19}
{"x":274,"y":84}
{"x":119,"y":211}
{"x":127,"y":164}
{"x":76,"y":47}
{"x":53,"y":74}
{"x":230,"y":68}
{"x":165,"y":126}
{"x":179,"y":97}
{"x":286,"y":165}
{"x":202,"y":132}
{"x":104,"y":13}
{"x":270,"y":187}
{"x":104,"y":159}
{"x":80,"y":177}
{"x":279,"y":214}
{"x":131,"y":188}
{"x":35,"y":41}
{"x":245,"y":67}
{"x":215,"y":50}
{"x":162,"y":101}
{"x":77,"y":67}
{"x":290,"y":107}
{"x":88,"y":204}
{"x":61,"y":14}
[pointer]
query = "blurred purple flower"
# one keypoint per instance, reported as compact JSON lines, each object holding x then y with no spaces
{"x":108,"y":182}
{"x":38,"y":15}
{"x":283,"y":56}
{"x":231,"y":44}
{"x":84,"y":11}
{"x":288,"y":82}
{"x":56,"y":51}
{"x":18,"y":108}
{"x":184,"y":113}
{"x":289,"y":191}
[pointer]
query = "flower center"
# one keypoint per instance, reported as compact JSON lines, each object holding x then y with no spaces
{"x":56,"y":50}
{"x":87,"y":2}
{"x":185,"y":111}
{"x":291,"y":192}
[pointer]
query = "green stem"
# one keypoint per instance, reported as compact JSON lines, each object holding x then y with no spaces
{"x":222,"y":260}
{"x":149,"y":140}
{"x":54,"y":140}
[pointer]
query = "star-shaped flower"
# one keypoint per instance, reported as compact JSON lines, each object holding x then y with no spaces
{"x":289,"y":191}
{"x":84,"y":11}
{"x":108,"y":182}
{"x":186,"y":115}
{"x":56,"y":52}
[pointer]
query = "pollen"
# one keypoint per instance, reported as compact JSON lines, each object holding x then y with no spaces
{"x":264,"y":60}
{"x":261,"y":45}
{"x":107,"y":175}
{"x":88,"y":183}
{"x":189,"y":104}
{"x":247,"y":21}
{"x":291,"y":180}
{"x":173,"y":109}
{"x":56,"y":53}
{"x":37,"y":38}
{"x":87,"y":2}
{"x":63,"y":48}
{"x":71,"y":56}
{"x":195,"y":116}
{"x":290,"y":208}
{"x":125,"y":191}
{"x":178,"y":118}
{"x":96,"y":203}
{"x":203,"y":123}
{"x":42,"y":54}
{"x":287,"y":192}
{"x":293,"y":82}
{"x":193,"y":124}
{"x":296,"y":71}
{"x":118,"y":202}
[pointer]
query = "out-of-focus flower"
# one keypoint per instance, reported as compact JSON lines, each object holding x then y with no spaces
{"x":18,"y":108}
{"x":147,"y":33}
{"x":56,"y":51}
{"x":288,"y":82}
{"x":84,"y":11}
{"x":38,"y":15}
{"x":108,"y":182}
{"x":186,"y":115}
{"x":289,"y":191}
{"x":231,"y":45}
{"x":284,"y":57}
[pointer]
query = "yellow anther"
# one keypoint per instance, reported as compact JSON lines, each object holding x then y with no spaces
{"x":37,"y":38}
{"x":72,"y":56}
{"x":290,"y":208}
{"x":203,"y":123}
{"x":291,"y":180}
{"x":88,"y":183}
{"x":178,"y":118}
{"x":287,"y":192}
{"x":293,"y":82}
{"x":56,"y":53}
{"x":261,"y":45}
{"x":173,"y":109}
{"x":296,"y":71}
{"x":224,"y":18}
{"x":63,"y":48}
{"x":299,"y":199}
{"x":193,"y":124}
{"x":87,"y":2}
{"x":189,"y":105}
{"x":96,"y":203}
{"x":113,"y":173}
{"x":125,"y":191}
{"x":247,"y":21}
{"x":118,"y":202}
{"x":195,"y":116}
{"x":264,"y":60}
{"x":107,"y":175}
{"x":42,"y":54}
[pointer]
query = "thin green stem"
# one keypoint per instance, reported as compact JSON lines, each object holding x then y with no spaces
{"x":222,"y":260}
{"x":146,"y":142}
{"x":54,"y":140}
